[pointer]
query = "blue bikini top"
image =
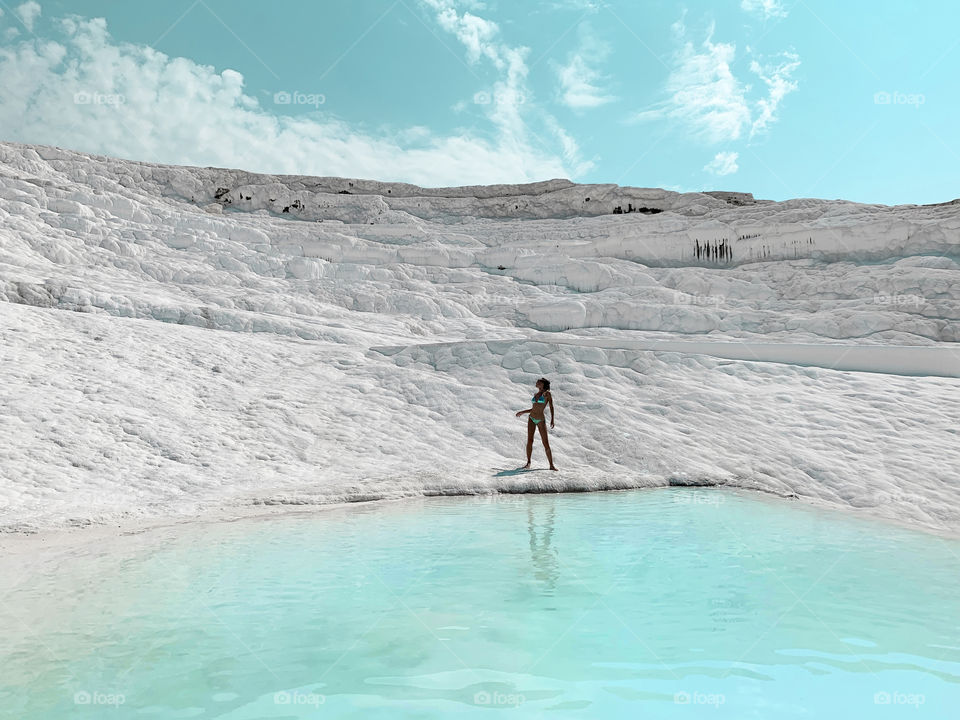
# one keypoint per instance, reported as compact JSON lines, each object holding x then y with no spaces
{"x":541,"y":400}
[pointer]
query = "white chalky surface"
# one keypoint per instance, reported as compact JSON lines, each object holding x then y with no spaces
{"x":177,"y":340}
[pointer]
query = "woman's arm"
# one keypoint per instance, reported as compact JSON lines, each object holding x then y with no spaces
{"x":522,"y":412}
{"x":550,"y":400}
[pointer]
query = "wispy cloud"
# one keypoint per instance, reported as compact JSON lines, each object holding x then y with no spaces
{"x":571,"y":151}
{"x":28,"y":13}
{"x":580,"y":81}
{"x":766,"y":8}
{"x":707,"y":97}
{"x":703,"y":91}
{"x":481,"y":39}
{"x":81,"y":89}
{"x":474,"y":32}
{"x":723,"y":163}
{"x":776,"y":76}
{"x":509,"y":101}
{"x":590,"y":6}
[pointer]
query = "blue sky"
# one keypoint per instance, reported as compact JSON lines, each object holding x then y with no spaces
{"x":782,"y":98}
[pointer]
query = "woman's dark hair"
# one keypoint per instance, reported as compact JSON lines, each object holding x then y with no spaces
{"x":546,"y":383}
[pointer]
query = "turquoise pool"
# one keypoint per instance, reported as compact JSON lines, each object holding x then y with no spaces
{"x":673,"y":603}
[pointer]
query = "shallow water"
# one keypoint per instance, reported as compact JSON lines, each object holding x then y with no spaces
{"x":661,"y":603}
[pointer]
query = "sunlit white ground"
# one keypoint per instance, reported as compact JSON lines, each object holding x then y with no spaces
{"x":180,"y":340}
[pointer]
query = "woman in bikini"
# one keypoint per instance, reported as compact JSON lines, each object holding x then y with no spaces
{"x":538,"y":420}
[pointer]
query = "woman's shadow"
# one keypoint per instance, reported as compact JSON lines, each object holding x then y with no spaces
{"x":517,"y":471}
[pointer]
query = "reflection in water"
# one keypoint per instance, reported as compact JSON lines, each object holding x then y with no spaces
{"x":546,"y":567}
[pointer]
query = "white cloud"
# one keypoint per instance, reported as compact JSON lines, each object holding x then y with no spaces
{"x":706,"y":96}
{"x":585,"y":6}
{"x":509,"y":100}
{"x":86,"y":91}
{"x":571,"y":152}
{"x":703,"y":92}
{"x":9,"y":33}
{"x":777,"y":78}
{"x":28,"y":13}
{"x":723,"y":163}
{"x":579,"y":80}
{"x":766,"y":8}
{"x":473,"y":31}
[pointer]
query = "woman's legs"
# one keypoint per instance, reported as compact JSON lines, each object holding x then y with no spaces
{"x":530,"y":429}
{"x":546,"y":443}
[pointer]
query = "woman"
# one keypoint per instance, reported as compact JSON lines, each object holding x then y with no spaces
{"x":537,"y":420}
